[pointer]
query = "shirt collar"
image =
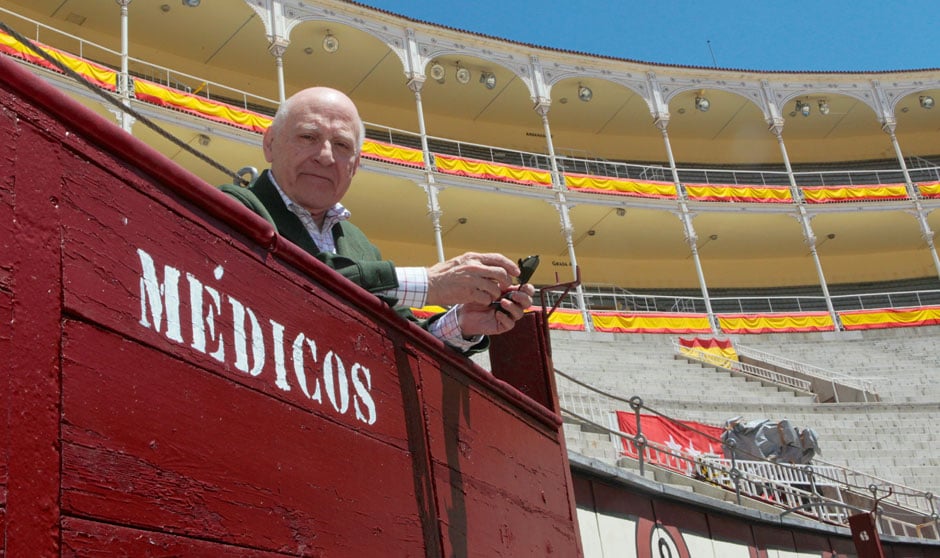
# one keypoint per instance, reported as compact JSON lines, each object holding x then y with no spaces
{"x":333,"y":215}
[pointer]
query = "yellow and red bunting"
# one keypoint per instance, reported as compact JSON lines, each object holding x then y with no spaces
{"x":635,"y":188}
{"x":834,"y":194}
{"x":650,"y":322}
{"x":473,"y":168}
{"x":929,"y":189}
{"x":390,"y":153}
{"x":164,"y":96}
{"x":890,"y":317}
{"x":776,"y":322}
{"x":710,"y":349}
{"x":736,"y":193}
{"x":95,"y":73}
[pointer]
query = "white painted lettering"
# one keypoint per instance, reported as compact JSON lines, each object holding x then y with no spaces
{"x":299,"y":366}
{"x":203,"y":320}
{"x":160,"y":311}
{"x":240,"y":339}
{"x":160,"y":295}
{"x":363,"y":393}
{"x":280,"y":373}
{"x":341,"y":389}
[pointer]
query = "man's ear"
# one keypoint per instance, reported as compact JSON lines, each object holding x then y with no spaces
{"x":266,"y":140}
{"x":356,"y":166}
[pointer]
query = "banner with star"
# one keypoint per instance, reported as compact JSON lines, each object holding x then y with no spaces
{"x":673,"y":444}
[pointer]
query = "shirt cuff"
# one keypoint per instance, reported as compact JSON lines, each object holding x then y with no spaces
{"x":447,"y":329}
{"x":412,"y":290}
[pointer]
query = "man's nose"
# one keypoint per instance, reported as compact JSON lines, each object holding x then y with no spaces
{"x":324,"y":153}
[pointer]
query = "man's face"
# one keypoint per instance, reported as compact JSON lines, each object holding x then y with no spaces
{"x":315,"y":153}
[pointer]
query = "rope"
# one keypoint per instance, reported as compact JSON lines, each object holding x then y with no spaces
{"x":122,"y":107}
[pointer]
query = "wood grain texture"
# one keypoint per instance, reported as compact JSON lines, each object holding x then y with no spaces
{"x":492,"y":469}
{"x":33,"y":391}
{"x":172,"y":448}
{"x":90,"y":539}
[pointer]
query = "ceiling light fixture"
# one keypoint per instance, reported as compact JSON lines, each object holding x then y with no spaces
{"x":702,"y":104}
{"x":585,"y":93}
{"x":803,"y":108}
{"x":330,"y":42}
{"x":463,"y":75}
{"x":823,"y":107}
{"x":437,"y":72}
{"x":488,"y":79}
{"x":926,"y":102}
{"x":191,"y":3}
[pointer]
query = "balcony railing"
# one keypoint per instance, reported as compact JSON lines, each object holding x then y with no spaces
{"x":920,"y":170}
{"x":619,"y":300}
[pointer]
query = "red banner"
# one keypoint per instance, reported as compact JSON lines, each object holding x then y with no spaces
{"x":686,"y":438}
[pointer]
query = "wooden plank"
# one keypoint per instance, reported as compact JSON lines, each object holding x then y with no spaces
{"x":81,"y":537}
{"x":32,"y":364}
{"x":173,"y":448}
{"x":522,"y":357}
{"x":483,"y":453}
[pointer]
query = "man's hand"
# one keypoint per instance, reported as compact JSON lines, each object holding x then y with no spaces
{"x":487,"y":319}
{"x":470,"y":278}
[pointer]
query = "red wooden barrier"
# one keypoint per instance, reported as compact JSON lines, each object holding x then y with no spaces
{"x":179,"y":380}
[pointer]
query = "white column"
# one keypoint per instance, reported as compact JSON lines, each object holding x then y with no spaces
{"x":277,"y":48}
{"x":662,"y":122}
{"x":810,"y":238}
{"x":124,"y":81}
{"x":925,"y":231}
{"x":416,"y":83}
{"x":561,"y":204}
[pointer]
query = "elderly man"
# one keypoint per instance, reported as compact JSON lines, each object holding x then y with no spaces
{"x":313,"y":147}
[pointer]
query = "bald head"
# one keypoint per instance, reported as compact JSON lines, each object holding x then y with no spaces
{"x":313,"y":147}
{"x":316,"y":95}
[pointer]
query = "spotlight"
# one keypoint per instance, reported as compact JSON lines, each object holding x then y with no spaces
{"x":191,"y":3}
{"x":702,"y":104}
{"x":585,"y":93}
{"x":823,"y":107}
{"x":330,"y":43}
{"x":803,"y":108}
{"x":926,"y":102}
{"x":463,"y":75}
{"x":488,"y":79}
{"x":437,"y":72}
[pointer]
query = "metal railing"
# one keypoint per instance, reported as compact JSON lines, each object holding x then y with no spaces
{"x":864,"y":385}
{"x":620,"y":300}
{"x":921,"y":170}
{"x":822,"y":491}
{"x":719,"y":361}
{"x":92,"y":52}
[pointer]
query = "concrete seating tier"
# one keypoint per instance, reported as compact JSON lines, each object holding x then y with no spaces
{"x":895,"y":439}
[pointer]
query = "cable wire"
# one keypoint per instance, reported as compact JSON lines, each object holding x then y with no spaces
{"x":122,"y":107}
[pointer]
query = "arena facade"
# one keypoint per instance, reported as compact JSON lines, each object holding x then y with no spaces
{"x":774,"y":208}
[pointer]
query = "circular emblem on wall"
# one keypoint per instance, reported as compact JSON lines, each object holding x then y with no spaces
{"x":654,"y":540}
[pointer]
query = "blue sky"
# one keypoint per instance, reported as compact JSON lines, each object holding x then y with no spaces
{"x":834,"y":35}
